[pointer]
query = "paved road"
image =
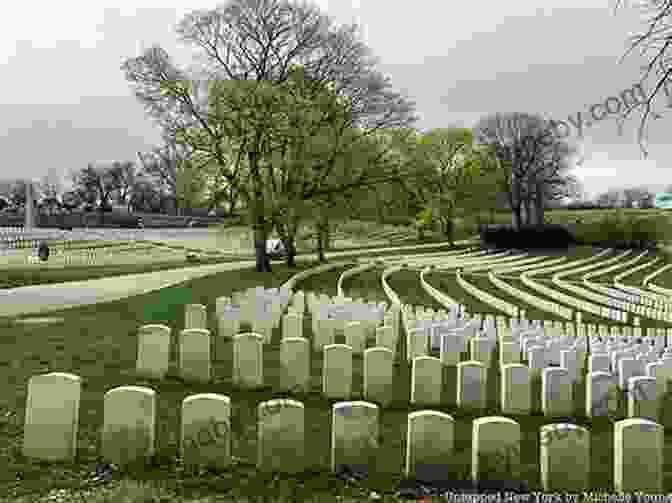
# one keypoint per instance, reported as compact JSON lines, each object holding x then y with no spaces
{"x":36,"y":299}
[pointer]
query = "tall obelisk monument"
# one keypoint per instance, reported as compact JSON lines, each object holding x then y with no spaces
{"x":30,"y":217}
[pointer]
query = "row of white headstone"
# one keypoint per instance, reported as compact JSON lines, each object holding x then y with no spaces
{"x":249,"y":348}
{"x":491,"y":300}
{"x":94,"y":255}
{"x":647,"y":279}
{"x":426,"y":370}
{"x":571,"y":268}
{"x":633,"y":300}
{"x":638,"y":367}
{"x":478,"y":261}
{"x":129,"y":433}
{"x":543,"y":304}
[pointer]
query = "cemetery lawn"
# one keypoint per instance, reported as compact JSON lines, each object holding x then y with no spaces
{"x":37,"y":274}
{"x":99,"y":343}
{"x":17,"y":277}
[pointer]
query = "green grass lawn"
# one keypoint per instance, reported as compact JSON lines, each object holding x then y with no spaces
{"x":99,"y":344}
{"x":366,"y":285}
{"x":446,"y":282}
{"x":664,"y":279}
{"x":531,"y":312}
{"x":38,"y":274}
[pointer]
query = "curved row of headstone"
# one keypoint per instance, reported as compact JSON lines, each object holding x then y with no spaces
{"x":630,"y":299}
{"x":572,"y":265}
{"x":389,"y":291}
{"x":326,"y":339}
{"x":513,"y":259}
{"x":515,"y":263}
{"x":496,"y":302}
{"x":437,"y":295}
{"x":547,"y":263}
{"x":659,"y":289}
{"x":443,"y":261}
{"x":489,"y":261}
{"x":487,"y":258}
{"x":351,"y":272}
{"x":426,"y":371}
{"x":633,"y":270}
{"x":300,"y":276}
{"x":130,"y":422}
{"x":97,"y":256}
{"x":643,"y":364}
{"x":613,"y":298}
{"x":594,"y":265}
{"x":647,"y":279}
{"x":646,"y":296}
{"x":619,"y":264}
{"x":449,"y":258}
{"x":458,"y":259}
{"x":541,"y":304}
{"x":595,"y":309}
{"x":448,"y":254}
{"x":444,"y":299}
{"x":614,"y":267}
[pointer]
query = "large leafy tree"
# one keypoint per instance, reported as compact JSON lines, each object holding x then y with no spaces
{"x":18,"y":193}
{"x":97,"y":184}
{"x":251,"y":47}
{"x":550,"y":180}
{"x":447,"y":166}
{"x":72,"y":199}
{"x":175,"y":173}
{"x":528,"y":155}
{"x":145,"y":196}
{"x":127,"y":171}
{"x":306,"y":112}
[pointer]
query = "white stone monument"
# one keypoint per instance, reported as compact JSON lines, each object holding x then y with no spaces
{"x":30,"y":217}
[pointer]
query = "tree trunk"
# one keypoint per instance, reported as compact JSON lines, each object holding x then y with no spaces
{"x":322,"y":227}
{"x":448,"y":229}
{"x":515,"y":204}
{"x":288,"y":237}
{"x":320,"y":246}
{"x":232,"y":205}
{"x":539,"y":206}
{"x":421,"y":232}
{"x":528,"y":212}
{"x":327,"y":235}
{"x":290,"y":245}
{"x":380,"y":216}
{"x":517,"y":216}
{"x":258,"y":221}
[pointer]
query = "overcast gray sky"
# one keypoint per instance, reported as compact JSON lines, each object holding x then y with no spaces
{"x":65,"y":101}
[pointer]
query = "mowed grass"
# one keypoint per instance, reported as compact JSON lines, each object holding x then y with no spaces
{"x":99,"y":343}
{"x":664,"y":279}
{"x":50,"y":272}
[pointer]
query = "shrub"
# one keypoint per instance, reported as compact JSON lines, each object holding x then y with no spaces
{"x":616,"y":230}
{"x":527,"y":237}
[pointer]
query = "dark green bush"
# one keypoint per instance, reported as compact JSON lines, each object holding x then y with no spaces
{"x":527,"y":237}
{"x":616,"y":230}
